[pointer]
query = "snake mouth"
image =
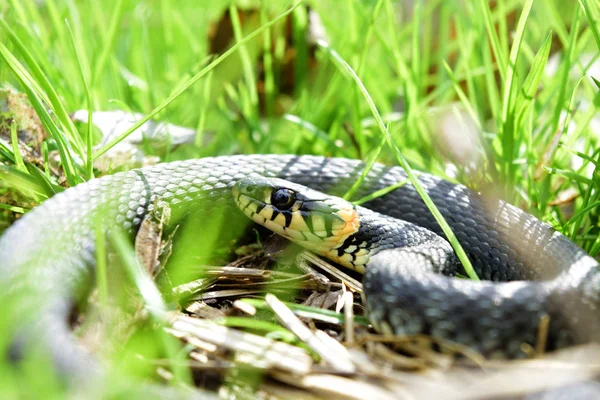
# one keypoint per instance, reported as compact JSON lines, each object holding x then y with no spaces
{"x":312,"y":219}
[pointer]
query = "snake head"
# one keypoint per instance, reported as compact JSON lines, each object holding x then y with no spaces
{"x":315,"y":220}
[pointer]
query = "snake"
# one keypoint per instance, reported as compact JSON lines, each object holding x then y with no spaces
{"x":538,"y":289}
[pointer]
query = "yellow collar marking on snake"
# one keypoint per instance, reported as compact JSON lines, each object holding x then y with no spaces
{"x":321,"y":224}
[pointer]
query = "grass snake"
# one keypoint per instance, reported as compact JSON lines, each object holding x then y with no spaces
{"x":47,"y":255}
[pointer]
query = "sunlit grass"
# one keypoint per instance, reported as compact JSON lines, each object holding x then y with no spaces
{"x":374,"y":87}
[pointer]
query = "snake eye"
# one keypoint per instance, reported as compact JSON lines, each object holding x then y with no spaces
{"x":283,"y":198}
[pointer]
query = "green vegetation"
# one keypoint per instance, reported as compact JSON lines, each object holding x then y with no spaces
{"x":499,"y":98}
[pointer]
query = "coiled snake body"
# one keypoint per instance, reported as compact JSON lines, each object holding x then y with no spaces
{"x":47,"y":254}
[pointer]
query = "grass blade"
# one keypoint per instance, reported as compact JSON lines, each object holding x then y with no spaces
{"x":109,"y":42}
{"x":153,"y":301}
{"x":346,"y":68}
{"x":497,"y":49}
{"x":532,"y":82}
{"x":509,"y":129}
{"x":46,"y":87}
{"x":186,"y":85}
{"x":15,"y":147}
{"x":592,"y":19}
{"x":246,"y":62}
{"x":89,"y":173}
{"x":30,"y":89}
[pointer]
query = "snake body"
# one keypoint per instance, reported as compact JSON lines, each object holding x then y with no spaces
{"x":48,"y":254}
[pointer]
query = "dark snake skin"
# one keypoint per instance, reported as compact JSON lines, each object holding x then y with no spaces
{"x":48,"y":254}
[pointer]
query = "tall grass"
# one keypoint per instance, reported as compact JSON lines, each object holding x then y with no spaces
{"x":381,"y":82}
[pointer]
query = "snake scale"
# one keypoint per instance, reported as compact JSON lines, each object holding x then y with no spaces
{"x":48,"y":254}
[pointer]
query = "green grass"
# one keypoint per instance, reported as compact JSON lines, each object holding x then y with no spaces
{"x":378,"y":86}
